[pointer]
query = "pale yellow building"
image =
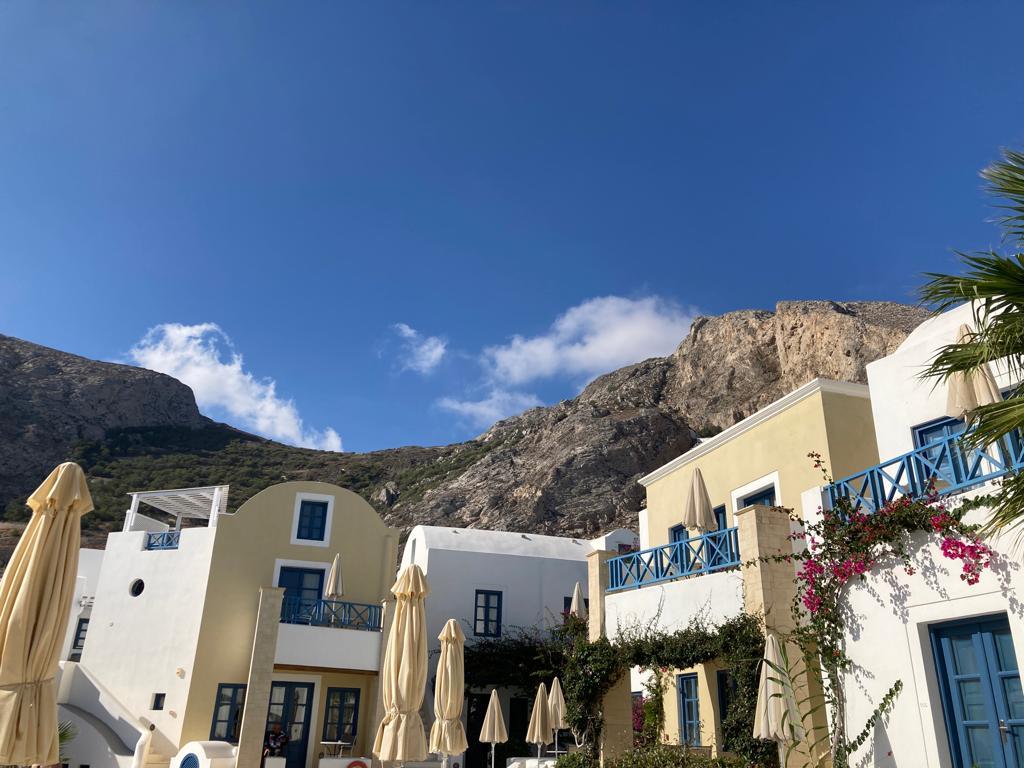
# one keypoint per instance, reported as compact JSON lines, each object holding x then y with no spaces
{"x":750,"y":469}
{"x":217,"y":631}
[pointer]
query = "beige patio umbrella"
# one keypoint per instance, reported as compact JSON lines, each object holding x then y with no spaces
{"x":334,"y":588}
{"x":539,"y":730}
{"x":556,"y":709}
{"x":493,"y":730}
{"x":776,"y":716}
{"x":400,"y":736}
{"x":578,"y":605}
{"x":447,"y":736}
{"x":698,"y":512}
{"x":35,"y":602}
{"x":968,"y":391}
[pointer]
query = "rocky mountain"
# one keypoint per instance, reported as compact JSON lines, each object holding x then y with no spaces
{"x":570,"y":468}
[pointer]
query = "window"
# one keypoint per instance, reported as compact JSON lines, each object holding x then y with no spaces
{"x":720,"y":517}
{"x":342,"y":715}
{"x":936,"y":430}
{"x":227,"y":712}
{"x":689,"y":710}
{"x":567,"y":602}
{"x":764,"y":497}
{"x":303,"y":588}
{"x":487,"y":617}
{"x":136,"y":587}
{"x":80,"y":630}
{"x":312,"y":520}
{"x":158,"y":700}
{"x":678,"y":533}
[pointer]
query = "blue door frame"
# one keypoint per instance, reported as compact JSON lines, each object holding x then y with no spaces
{"x":303,"y":589}
{"x":291,"y":704}
{"x":982,"y":700}
{"x":689,"y":709}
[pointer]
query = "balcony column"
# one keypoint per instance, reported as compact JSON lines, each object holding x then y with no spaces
{"x":261,"y":673}
{"x":129,"y":515}
{"x":617,"y":705}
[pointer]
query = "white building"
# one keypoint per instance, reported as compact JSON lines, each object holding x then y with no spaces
{"x":493,"y":582}
{"x":954,"y":646}
{"x":89,"y":562}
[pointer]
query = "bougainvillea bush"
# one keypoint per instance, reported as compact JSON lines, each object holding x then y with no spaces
{"x":844,"y":546}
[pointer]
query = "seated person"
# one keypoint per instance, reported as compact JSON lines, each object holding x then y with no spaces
{"x":275,"y":741}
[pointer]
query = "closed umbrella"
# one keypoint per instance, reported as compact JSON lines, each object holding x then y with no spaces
{"x":493,"y":730}
{"x":698,"y":512}
{"x":556,"y":709}
{"x":578,"y":606}
{"x":967,"y":392}
{"x":539,"y":730}
{"x":334,"y":588}
{"x":776,"y":716}
{"x":400,"y":736}
{"x":35,"y":602}
{"x":447,"y":736}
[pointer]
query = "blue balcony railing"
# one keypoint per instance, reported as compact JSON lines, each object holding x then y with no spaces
{"x":706,"y":553}
{"x":947,"y":463}
{"x":331,"y":613}
{"x":163,"y":540}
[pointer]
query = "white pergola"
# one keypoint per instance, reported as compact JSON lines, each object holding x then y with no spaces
{"x":197,"y":503}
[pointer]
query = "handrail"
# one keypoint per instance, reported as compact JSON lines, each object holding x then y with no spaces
{"x":944,"y":466}
{"x":706,"y":553}
{"x":163,"y":540}
{"x":331,"y":613}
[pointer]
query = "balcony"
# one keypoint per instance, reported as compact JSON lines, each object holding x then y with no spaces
{"x":331,"y":613}
{"x":163,"y":540}
{"x":707,"y":553}
{"x":946,"y":465}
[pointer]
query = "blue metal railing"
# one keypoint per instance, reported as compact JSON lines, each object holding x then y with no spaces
{"x":946,"y":462}
{"x":706,"y":553}
{"x":163,"y":540}
{"x":331,"y":613}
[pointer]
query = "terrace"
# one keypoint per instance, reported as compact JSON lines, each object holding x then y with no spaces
{"x":206,"y":504}
{"x":695,"y":556}
{"x":331,"y":613}
{"x":945,"y":466}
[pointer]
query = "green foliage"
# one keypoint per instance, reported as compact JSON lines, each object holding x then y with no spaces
{"x":995,"y":283}
{"x":177,"y":457}
{"x":66,"y":732}
{"x":672,"y":756}
{"x":579,"y":759}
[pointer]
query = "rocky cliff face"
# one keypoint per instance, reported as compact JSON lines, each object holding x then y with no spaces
{"x":570,"y":468}
{"x":50,"y":400}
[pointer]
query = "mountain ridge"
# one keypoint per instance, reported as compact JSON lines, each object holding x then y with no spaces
{"x":569,"y":468}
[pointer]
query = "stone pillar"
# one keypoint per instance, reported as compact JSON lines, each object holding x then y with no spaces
{"x":617,"y":736}
{"x":768,"y":590}
{"x":261,"y":673}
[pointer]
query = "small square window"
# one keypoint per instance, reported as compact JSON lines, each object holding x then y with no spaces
{"x":158,"y":700}
{"x":312,"y":520}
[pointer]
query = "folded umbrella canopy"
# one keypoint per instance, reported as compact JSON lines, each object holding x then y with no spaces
{"x":556,"y":709}
{"x":539,"y":730}
{"x":776,"y":716}
{"x":400,"y":736}
{"x":334,"y":588}
{"x":493,"y":730}
{"x":35,"y":602}
{"x":447,"y":736}
{"x":698,"y":512}
{"x":578,"y":605}
{"x":967,"y":392}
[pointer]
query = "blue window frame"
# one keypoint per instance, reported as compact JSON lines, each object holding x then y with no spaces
{"x":303,"y":588}
{"x":982,"y":699}
{"x":342,"y":717}
{"x":487,"y":616}
{"x":765,"y":497}
{"x":689,"y":710}
{"x":227,"y":712}
{"x":720,"y":517}
{"x":312,"y":520}
{"x":80,"y":630}
{"x":931,"y":431}
{"x":678,"y":533}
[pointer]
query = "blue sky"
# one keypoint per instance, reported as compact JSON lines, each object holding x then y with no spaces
{"x":412,"y":217}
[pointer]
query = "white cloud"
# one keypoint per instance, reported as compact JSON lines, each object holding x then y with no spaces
{"x":421,"y":354}
{"x":594,"y":337}
{"x":202,"y":357}
{"x":499,"y":404}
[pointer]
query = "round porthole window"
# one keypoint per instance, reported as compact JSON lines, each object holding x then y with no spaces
{"x":136,"y":587}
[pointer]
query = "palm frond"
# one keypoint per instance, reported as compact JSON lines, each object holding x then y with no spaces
{"x":1006,"y":180}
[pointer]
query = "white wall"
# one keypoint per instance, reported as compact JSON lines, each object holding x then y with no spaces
{"x":331,"y":647}
{"x":86,"y":582}
{"x":136,"y":645}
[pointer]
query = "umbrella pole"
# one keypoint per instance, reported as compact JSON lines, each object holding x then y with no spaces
{"x":492,"y":754}
{"x":556,"y":743}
